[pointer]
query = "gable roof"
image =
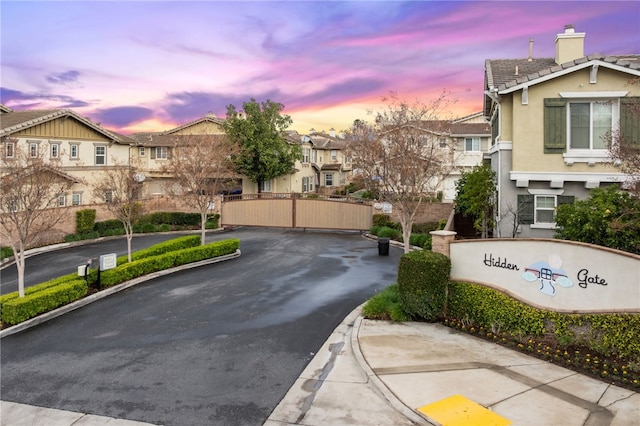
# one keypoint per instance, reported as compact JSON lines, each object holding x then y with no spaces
{"x":508,"y":75}
{"x":210,"y":118}
{"x":4,"y":108}
{"x":15,"y":121}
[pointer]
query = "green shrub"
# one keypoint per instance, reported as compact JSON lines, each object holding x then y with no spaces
{"x":145,"y":228}
{"x":617,"y":334}
{"x":374,"y":230}
{"x":85,"y":220}
{"x":170,"y":218}
{"x":380,"y":219}
{"x":143,"y":266}
{"x":212,"y":221}
{"x":387,"y":232}
{"x":424,"y":228}
{"x":609,"y":217}
{"x":80,"y":237}
{"x":40,"y":287}
{"x":385,"y":305}
{"x":107,"y":227}
{"x":20,"y":309}
{"x":5,"y":252}
{"x":423,"y":277}
{"x":419,"y":240}
{"x":180,"y":243}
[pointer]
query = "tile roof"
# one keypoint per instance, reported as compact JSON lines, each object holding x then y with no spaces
{"x":163,"y":139}
{"x":501,"y":74}
{"x":15,"y":121}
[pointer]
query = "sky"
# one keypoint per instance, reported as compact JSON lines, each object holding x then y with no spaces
{"x":137,"y":66}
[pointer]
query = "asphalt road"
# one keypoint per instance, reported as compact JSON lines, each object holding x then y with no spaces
{"x":48,"y":265}
{"x":216,"y":345}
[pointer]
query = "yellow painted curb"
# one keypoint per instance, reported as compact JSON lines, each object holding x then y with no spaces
{"x":457,"y":410}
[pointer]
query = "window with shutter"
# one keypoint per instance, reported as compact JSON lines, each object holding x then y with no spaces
{"x":629,"y":120}
{"x":526,"y":209}
{"x":555,"y":126}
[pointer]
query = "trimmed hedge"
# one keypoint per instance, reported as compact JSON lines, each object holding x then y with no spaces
{"x":172,"y":259}
{"x":17,"y":310}
{"x":62,"y":290}
{"x":423,"y":277}
{"x":161,"y":248}
{"x":607,"y":333}
{"x":85,"y":220}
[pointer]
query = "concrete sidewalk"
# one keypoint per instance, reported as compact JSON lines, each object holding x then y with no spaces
{"x":380,"y":373}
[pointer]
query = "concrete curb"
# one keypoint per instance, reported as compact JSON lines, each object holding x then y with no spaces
{"x":109,"y":291}
{"x":377,"y":384}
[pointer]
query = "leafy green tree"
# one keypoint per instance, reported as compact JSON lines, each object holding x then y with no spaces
{"x":259,"y":130}
{"x":476,"y":197}
{"x":610,"y":217}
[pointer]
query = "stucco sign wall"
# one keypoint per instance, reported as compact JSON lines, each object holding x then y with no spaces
{"x":552,"y":274}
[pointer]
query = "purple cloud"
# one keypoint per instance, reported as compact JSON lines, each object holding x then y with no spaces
{"x":122,"y":116}
{"x":42,"y":100}
{"x":66,"y":77}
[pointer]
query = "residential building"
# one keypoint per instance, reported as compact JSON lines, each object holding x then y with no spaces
{"x":153,"y":150}
{"x":470,"y":137}
{"x":80,"y":146}
{"x":550,"y":119}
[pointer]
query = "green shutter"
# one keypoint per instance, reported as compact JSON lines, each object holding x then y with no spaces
{"x":565,"y":199}
{"x":152,"y":151}
{"x":555,"y":126}
{"x":630,"y":119}
{"x":525,"y":209}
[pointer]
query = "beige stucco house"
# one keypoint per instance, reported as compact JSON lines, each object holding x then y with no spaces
{"x":549,"y":118}
{"x":80,"y":146}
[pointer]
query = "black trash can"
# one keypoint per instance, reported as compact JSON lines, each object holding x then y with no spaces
{"x":383,"y":246}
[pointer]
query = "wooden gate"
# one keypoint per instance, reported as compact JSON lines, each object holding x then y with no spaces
{"x":296,"y":211}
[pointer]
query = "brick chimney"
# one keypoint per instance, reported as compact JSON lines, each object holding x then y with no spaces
{"x":569,"y":45}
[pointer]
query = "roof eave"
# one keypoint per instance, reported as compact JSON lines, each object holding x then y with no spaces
{"x":569,"y":70}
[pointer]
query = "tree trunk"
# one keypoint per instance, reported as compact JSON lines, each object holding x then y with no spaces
{"x":20,"y":266}
{"x":203,"y":227}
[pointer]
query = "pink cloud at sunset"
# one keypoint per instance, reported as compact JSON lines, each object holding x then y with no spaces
{"x":152,"y":65}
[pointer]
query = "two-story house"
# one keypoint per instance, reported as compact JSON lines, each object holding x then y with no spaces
{"x":550,"y":120}
{"x":80,"y":146}
{"x":153,"y":150}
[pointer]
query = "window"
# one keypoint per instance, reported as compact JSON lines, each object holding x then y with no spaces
{"x":101,"y":155}
{"x":9,"y":150}
{"x":307,"y":184}
{"x":74,"y":150}
{"x":577,"y":128}
{"x":589,"y":122}
{"x":13,"y":205}
{"x":33,"y":150}
{"x":472,"y":144}
{"x":76,"y":199}
{"x":540,"y":209}
{"x":62,"y":200}
{"x":305,"y":155}
{"x":161,"y":152}
{"x":334,"y":155}
{"x":328,"y":179}
{"x":314,"y":155}
{"x":265,"y":186}
{"x":141,"y":151}
{"x":108,"y":196}
{"x":545,"y":207}
{"x":55,"y":150}
{"x":442,"y":142}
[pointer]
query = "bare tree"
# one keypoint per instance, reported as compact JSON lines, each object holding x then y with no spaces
{"x":624,"y":142}
{"x":408,"y":158}
{"x":119,"y":186}
{"x":29,"y":201}
{"x":200,"y":165}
